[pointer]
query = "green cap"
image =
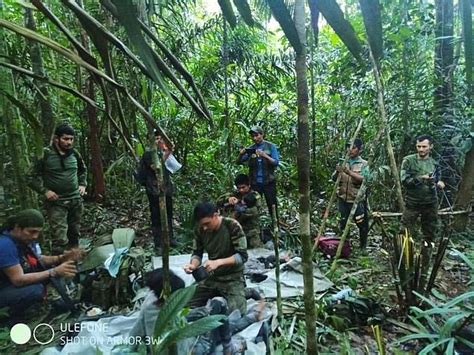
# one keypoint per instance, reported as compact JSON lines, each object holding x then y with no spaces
{"x":27,"y":219}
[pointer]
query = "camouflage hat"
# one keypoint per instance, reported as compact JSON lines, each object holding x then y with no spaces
{"x":256,"y":129}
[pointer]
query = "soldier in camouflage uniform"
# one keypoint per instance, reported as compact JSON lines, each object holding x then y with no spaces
{"x":420,"y":176}
{"x":244,"y":206}
{"x":60,"y":178}
{"x":224,"y":241}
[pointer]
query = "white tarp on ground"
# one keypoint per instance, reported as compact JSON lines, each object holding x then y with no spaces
{"x":116,"y":329}
{"x":106,"y":333}
{"x":291,"y":277}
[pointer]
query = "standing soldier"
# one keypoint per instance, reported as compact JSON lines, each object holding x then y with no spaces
{"x":420,"y":175}
{"x":263,"y":159}
{"x":60,"y":177}
{"x":352,"y":175}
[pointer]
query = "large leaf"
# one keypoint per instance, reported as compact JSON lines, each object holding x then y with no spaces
{"x":192,"y":329}
{"x":83,"y":53}
{"x":373,"y":26}
{"x":314,"y":12}
{"x":127,"y":16}
{"x":58,"y":48}
{"x":172,"y":59}
{"x":283,"y":16}
{"x":173,"y":305}
{"x":428,"y":349}
{"x":52,"y":83}
{"x":228,"y":12}
{"x":244,"y":11}
{"x":335,"y":17}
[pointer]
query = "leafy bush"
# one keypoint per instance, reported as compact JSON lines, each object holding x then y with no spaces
{"x":441,"y":325}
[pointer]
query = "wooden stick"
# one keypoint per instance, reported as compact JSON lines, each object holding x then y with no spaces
{"x":380,"y":214}
{"x":276,"y":232}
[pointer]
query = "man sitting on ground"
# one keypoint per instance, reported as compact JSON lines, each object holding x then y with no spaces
{"x":24,"y":272}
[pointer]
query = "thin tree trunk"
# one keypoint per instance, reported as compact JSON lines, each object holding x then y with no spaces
{"x":225,"y":51}
{"x":443,"y":91}
{"x":388,"y":139}
{"x":405,"y":116}
{"x":303,"y":162}
{"x":443,"y":58}
{"x":464,"y":194}
{"x":97,"y":169}
{"x":314,"y":12}
{"x":47,"y":117}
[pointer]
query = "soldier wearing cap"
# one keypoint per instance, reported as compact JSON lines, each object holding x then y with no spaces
{"x":262,"y":158}
{"x":352,"y":175}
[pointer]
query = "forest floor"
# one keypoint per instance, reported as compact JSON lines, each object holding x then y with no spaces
{"x":367,"y":273}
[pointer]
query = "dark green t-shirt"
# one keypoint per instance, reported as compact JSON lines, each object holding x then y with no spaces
{"x":417,"y":190}
{"x":229,"y":239}
{"x":61,"y":174}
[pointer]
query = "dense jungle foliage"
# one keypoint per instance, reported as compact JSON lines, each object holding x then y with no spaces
{"x":205,"y":71}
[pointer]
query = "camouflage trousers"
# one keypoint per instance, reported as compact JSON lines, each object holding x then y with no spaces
{"x":64,"y":217}
{"x":429,"y":221}
{"x":253,"y":239}
{"x":231,"y":290}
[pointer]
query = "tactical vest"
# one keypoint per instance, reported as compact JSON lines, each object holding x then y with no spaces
{"x":267,"y":168}
{"x":348,"y":188}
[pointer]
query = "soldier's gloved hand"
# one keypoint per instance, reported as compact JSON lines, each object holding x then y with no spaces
{"x":66,"y":269}
{"x":51,"y":195}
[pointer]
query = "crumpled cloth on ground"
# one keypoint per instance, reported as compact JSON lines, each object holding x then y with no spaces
{"x":112,"y":264}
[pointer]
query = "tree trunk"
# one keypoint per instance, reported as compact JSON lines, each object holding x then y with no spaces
{"x":97,"y":169}
{"x":312,"y":47}
{"x":386,"y":127}
{"x":464,"y":194}
{"x":443,"y":59}
{"x":443,"y":93}
{"x":47,"y":117}
{"x":303,"y":162}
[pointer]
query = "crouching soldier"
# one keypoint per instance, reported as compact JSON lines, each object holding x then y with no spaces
{"x":224,"y":241}
{"x":244,"y":206}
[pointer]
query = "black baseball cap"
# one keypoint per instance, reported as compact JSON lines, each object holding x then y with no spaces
{"x":357,"y":143}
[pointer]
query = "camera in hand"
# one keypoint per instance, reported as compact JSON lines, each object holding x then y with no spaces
{"x":250,"y":151}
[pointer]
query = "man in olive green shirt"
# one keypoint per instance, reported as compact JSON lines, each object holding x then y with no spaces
{"x":224,"y":241}
{"x":421,"y":176}
{"x":60,"y":178}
